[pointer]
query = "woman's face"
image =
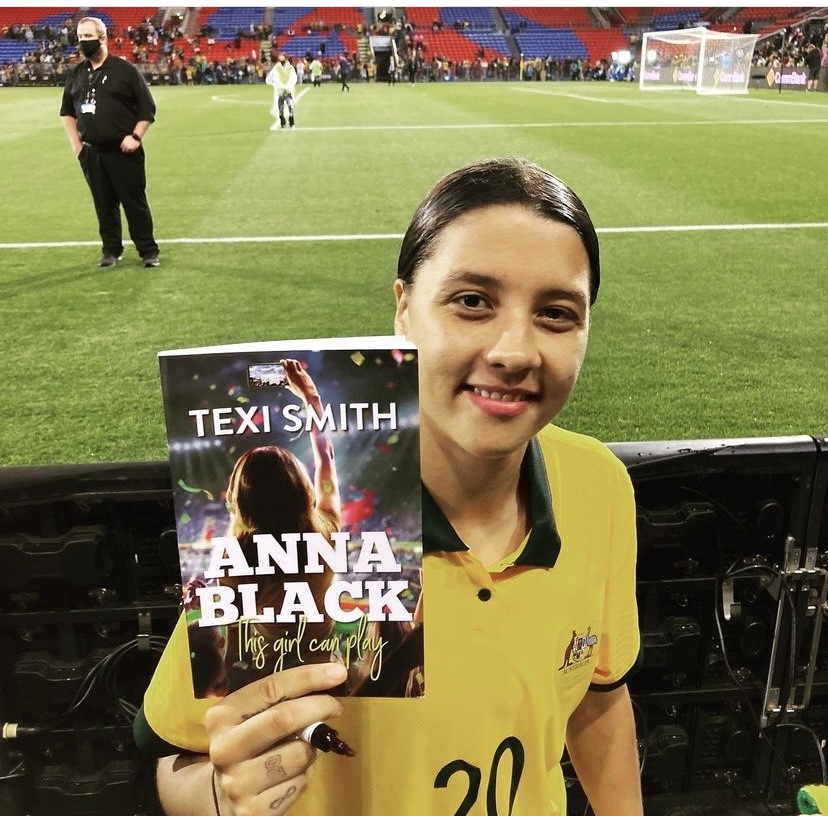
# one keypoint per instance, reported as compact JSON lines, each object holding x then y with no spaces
{"x":500,"y":314}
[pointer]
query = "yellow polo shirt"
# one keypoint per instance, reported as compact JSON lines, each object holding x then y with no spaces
{"x":510,"y":651}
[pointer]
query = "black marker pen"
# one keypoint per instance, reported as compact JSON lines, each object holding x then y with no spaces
{"x":322,"y":736}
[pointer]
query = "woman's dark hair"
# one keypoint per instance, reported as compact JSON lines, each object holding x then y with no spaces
{"x":490,"y":182}
{"x":270,"y":491}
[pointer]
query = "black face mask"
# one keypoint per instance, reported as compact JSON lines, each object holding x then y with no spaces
{"x":89,"y":48}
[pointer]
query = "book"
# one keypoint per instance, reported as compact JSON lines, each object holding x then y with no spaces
{"x":297,"y":498}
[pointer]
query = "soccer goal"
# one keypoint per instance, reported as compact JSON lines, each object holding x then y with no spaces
{"x":709,"y":62}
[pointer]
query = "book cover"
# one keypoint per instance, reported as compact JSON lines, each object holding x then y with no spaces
{"x":296,"y":485}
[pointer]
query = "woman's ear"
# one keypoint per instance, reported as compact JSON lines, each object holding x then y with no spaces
{"x":401,"y":314}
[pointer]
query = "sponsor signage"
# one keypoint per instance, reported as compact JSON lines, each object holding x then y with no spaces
{"x":786,"y":78}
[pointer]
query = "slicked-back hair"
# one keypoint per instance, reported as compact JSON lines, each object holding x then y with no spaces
{"x":100,"y":25}
{"x":491,"y":182}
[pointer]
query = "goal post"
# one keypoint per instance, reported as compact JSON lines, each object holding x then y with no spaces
{"x":698,"y":59}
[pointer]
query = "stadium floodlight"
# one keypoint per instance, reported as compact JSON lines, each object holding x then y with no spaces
{"x":708,"y":62}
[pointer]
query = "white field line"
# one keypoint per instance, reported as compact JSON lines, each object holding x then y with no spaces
{"x":229,"y":100}
{"x":520,"y":126}
{"x":582,"y":97}
{"x":787,"y":99}
{"x":396,"y":236}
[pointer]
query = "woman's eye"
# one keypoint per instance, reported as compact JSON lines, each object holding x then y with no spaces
{"x":559,"y":314}
{"x":470,"y":301}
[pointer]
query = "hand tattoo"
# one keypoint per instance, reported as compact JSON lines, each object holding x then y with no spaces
{"x":274,"y":767}
{"x":277,"y":803}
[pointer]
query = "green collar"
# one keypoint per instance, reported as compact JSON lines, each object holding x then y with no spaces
{"x":544,"y":543}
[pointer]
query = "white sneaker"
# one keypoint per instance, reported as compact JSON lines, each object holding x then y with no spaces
{"x":275,"y":126}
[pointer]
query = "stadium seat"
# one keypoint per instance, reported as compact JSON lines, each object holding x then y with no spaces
{"x":558,"y":43}
{"x":458,"y":16}
{"x":547,"y":17}
{"x":226,"y":22}
{"x":667,"y":19}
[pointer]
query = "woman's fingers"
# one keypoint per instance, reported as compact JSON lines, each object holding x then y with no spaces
{"x":261,"y":765}
{"x":250,"y":721}
{"x":277,"y":774}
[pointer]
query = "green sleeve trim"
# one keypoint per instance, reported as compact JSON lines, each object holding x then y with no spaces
{"x":148,"y":742}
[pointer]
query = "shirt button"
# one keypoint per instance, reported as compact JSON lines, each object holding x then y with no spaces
{"x":484,"y":594}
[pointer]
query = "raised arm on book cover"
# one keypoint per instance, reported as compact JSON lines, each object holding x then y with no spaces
{"x":296,"y":483}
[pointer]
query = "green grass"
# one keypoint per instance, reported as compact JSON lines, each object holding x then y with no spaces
{"x":696,"y":334}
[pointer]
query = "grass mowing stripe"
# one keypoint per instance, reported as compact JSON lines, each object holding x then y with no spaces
{"x":709,"y":322}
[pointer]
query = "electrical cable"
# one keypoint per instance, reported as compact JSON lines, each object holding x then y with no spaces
{"x":820,"y":750}
{"x":719,"y":582}
{"x":13,"y":773}
{"x":645,"y":737}
{"x":103,"y":672}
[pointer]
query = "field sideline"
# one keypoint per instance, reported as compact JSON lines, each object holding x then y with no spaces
{"x":710,"y":322}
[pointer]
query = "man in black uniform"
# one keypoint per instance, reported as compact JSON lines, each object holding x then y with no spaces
{"x":107,"y":109}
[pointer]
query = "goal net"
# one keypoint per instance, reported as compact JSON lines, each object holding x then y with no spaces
{"x":708,"y":62}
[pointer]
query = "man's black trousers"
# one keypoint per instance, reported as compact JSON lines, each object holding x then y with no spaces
{"x":118,"y":180}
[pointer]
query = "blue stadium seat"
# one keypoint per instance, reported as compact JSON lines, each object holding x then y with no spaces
{"x":478,"y":18}
{"x":514,"y":20}
{"x":493,"y":40}
{"x":226,"y":21}
{"x":558,"y":43}
{"x":14,"y":50}
{"x":287,"y":16}
{"x":300,"y":45}
{"x":56,"y":20}
{"x":672,"y":19}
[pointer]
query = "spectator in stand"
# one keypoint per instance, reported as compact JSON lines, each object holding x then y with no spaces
{"x":283,"y":79}
{"x":107,"y":110}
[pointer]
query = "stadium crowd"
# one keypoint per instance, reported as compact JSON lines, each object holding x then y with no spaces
{"x":167,"y":54}
{"x":789,"y":46}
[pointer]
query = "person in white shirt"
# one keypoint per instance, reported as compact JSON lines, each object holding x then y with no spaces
{"x":282,"y":76}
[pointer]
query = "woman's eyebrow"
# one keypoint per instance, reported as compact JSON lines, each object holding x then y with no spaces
{"x":474,"y":278}
{"x":577,"y":296}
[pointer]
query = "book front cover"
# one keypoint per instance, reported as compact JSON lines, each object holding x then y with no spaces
{"x":296,"y":483}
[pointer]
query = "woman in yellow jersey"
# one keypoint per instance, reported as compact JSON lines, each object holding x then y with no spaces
{"x":529,"y":565}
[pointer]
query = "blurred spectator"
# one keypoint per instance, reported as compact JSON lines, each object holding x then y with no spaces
{"x":283,"y":79}
{"x":813,"y":59}
{"x":316,"y":70}
{"x":344,"y":73}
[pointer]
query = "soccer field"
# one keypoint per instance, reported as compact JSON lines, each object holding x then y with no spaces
{"x":711,"y":210}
